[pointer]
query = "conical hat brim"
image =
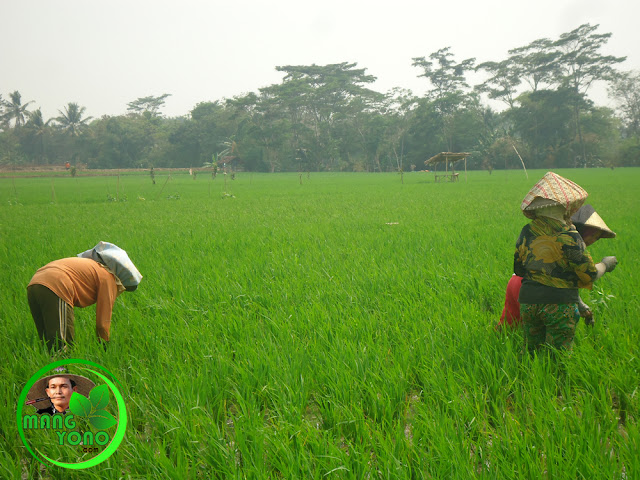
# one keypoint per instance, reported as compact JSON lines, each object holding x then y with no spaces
{"x":588,"y":217}
{"x":83,"y":386}
{"x":553,"y":189}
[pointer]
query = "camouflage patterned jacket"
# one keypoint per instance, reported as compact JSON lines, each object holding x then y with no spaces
{"x":553,"y":261}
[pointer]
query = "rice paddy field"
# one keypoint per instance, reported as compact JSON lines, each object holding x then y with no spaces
{"x":328,"y":325}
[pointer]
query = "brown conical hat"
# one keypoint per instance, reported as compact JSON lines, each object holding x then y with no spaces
{"x":551,"y":190}
{"x":37,"y":391}
{"x":586,"y":216}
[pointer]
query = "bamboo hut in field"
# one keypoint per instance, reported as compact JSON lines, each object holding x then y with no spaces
{"x":448,"y":158}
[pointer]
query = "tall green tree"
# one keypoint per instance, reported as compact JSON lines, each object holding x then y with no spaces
{"x":38,"y":130}
{"x":268,"y":129}
{"x":210,"y":124}
{"x":425,"y":135}
{"x":581,"y":63}
{"x":3,"y":121}
{"x":145,"y":113}
{"x":446,"y":76}
{"x":15,"y":110}
{"x":536,"y":64}
{"x":72,"y":124}
{"x":399,"y":110}
{"x":625,"y":90}
{"x":72,"y":121}
{"x":148,"y":105}
{"x":291,"y":98}
{"x":601,"y":132}
{"x":543,"y":121}
{"x":11,"y":152}
{"x":320,"y":99}
{"x":449,"y":93}
{"x":116,"y":142}
{"x":503,"y":81}
{"x":194,"y":139}
{"x":362,"y":139}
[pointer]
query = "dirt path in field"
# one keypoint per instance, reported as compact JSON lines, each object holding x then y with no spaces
{"x":59,"y":171}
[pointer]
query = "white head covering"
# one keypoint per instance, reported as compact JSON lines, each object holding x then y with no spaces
{"x":117,"y":260}
{"x":556,"y":212}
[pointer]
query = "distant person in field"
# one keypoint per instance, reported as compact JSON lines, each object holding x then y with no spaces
{"x":552,"y":259}
{"x":96,"y":276}
{"x":591,"y":228}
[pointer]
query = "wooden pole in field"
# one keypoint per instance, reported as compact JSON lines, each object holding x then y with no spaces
{"x":506,"y":172}
{"x":465,"y":169}
{"x":164,"y":185}
{"x":525,"y":168}
{"x":53,"y":193}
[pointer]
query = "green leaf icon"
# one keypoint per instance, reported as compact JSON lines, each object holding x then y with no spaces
{"x":99,"y":397}
{"x":79,"y":405}
{"x":102,"y":420}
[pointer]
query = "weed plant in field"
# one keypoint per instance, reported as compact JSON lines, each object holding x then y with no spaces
{"x":338,"y":328}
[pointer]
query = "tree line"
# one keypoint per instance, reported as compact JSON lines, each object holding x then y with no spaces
{"x":326,"y":118}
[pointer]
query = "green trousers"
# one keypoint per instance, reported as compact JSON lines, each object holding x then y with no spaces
{"x":52,"y":315}
{"x":549,"y":324}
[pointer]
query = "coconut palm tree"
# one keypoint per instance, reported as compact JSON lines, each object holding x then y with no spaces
{"x":15,"y":110}
{"x":3,"y":121}
{"x":71,"y":120}
{"x":38,"y":128}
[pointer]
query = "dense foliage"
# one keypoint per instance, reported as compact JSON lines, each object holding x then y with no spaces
{"x":325,"y":118}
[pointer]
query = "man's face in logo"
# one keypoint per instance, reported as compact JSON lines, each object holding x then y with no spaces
{"x":59,"y":392}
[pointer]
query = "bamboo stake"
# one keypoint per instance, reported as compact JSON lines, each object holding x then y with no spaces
{"x":164,"y":185}
{"x":53,"y":193}
{"x":525,"y":168}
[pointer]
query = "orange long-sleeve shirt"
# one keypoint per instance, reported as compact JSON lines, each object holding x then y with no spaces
{"x":81,"y":282}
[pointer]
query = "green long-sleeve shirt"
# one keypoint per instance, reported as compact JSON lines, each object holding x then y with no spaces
{"x":553,"y":261}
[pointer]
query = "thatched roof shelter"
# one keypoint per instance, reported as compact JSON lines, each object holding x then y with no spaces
{"x":447,"y":158}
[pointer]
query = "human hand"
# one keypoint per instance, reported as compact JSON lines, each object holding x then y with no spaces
{"x":610,"y":263}
{"x":588,"y":317}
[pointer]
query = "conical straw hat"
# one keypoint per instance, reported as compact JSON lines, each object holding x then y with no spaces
{"x":37,"y":391}
{"x":588,"y":217}
{"x":551,"y":190}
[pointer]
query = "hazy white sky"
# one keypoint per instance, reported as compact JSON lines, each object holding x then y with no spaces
{"x":103,"y":55}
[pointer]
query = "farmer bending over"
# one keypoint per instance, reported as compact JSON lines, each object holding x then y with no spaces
{"x":98,"y":277}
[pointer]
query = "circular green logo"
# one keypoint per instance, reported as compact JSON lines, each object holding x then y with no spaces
{"x":91,"y":409}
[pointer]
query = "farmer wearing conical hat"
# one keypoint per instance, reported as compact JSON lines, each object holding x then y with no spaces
{"x":52,"y":394}
{"x":552,"y":259}
{"x":98,"y":276}
{"x":591,"y":228}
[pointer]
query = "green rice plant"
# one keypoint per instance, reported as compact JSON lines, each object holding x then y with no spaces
{"x":342,"y":328}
